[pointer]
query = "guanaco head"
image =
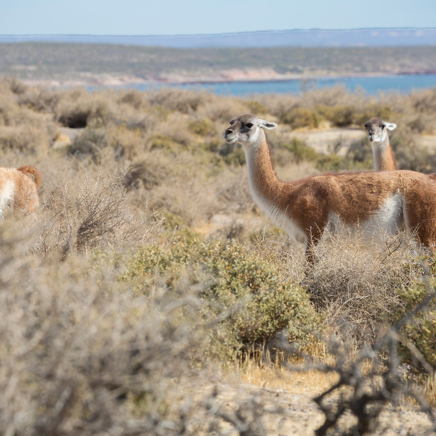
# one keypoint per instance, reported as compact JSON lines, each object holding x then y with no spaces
{"x":245,"y":129}
{"x":377,"y":129}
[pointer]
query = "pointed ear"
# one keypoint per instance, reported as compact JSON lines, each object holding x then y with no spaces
{"x":267,"y":124}
{"x":390,"y":126}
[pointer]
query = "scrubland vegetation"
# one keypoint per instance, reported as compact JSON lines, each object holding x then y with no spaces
{"x":149,"y":271}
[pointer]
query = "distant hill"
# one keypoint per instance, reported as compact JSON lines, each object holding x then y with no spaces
{"x":282,"y":38}
{"x":110,"y":64}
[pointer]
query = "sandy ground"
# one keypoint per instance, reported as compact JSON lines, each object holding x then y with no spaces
{"x":286,"y":412}
{"x":427,"y":141}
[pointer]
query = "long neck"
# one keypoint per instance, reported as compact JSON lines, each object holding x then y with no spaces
{"x":266,"y":188}
{"x":384,"y":158}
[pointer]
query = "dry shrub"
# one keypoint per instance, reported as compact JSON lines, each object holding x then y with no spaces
{"x":409,"y":155}
{"x":78,"y":109}
{"x":14,"y":85}
{"x":233,"y":191}
{"x":12,"y":115}
{"x":340,"y":116}
{"x":81,"y":355}
{"x":222,"y":109}
{"x":124,"y":141}
{"x":88,"y":143}
{"x":177,"y":182}
{"x":135,"y":121}
{"x":24,"y":138}
{"x":84,"y":353}
{"x":172,"y":99}
{"x":357,"y":285}
{"x":334,"y":96}
{"x":40,"y":99}
{"x":94,"y":214}
{"x":140,"y":175}
{"x":191,"y":199}
{"x":301,"y":117}
{"x":424,"y":100}
{"x":8,"y":110}
{"x":133,"y":98}
{"x":149,"y":170}
{"x":176,"y":127}
{"x":370,"y":381}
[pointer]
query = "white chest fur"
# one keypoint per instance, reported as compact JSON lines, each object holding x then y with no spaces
{"x":6,"y":197}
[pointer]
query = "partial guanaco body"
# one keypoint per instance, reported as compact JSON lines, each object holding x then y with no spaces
{"x":19,"y":189}
{"x":305,"y":208}
{"x":384,"y":156}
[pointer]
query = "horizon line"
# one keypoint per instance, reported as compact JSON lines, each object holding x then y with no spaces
{"x":209,"y":34}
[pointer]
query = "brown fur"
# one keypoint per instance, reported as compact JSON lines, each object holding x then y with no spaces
{"x":354,"y":198}
{"x":387,"y":160}
{"x":30,"y":171}
{"x":18,"y":186}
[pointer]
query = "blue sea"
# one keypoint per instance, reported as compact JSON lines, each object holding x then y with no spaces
{"x":372,"y":85}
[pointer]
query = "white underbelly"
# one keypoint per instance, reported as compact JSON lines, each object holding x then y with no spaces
{"x":388,"y":219}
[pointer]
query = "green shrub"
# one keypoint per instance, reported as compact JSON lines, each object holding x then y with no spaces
{"x":301,"y":151}
{"x":384,"y":112}
{"x":202,"y":127}
{"x":212,"y":144}
{"x":323,"y":162}
{"x":301,"y":117}
{"x":360,"y":153}
{"x":331,"y":162}
{"x":256,"y":107}
{"x":257,"y":301}
{"x":421,"y":331}
{"x":339,"y":116}
{"x":172,"y":221}
{"x":235,"y":157}
{"x":163,"y":142}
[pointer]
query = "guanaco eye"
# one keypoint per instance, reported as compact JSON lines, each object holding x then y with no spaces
{"x":382,"y":126}
{"x":249,"y":125}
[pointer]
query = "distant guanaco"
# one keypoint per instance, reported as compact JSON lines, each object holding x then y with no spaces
{"x":19,"y":189}
{"x":305,"y":208}
{"x":384,"y":156}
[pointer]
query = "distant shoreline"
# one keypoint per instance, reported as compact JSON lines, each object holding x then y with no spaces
{"x":234,"y":76}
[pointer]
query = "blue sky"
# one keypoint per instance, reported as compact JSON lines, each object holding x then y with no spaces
{"x":170,"y":17}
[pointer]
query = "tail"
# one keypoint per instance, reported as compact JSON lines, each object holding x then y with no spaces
{"x":30,"y":171}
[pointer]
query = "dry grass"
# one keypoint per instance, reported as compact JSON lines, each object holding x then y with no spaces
{"x":82,"y":355}
{"x":275,"y":376}
{"x":94,"y":213}
{"x":358,"y":285}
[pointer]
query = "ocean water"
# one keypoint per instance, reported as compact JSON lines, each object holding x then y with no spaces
{"x":372,"y":85}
